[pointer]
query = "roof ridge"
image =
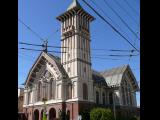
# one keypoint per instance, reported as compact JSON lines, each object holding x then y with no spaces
{"x":110,"y":69}
{"x":74,"y":4}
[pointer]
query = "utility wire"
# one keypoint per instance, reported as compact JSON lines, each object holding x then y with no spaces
{"x":123,"y":55}
{"x":121,"y":19}
{"x":40,"y":45}
{"x":108,"y":16}
{"x":52,"y":34}
{"x":111,"y":25}
{"x":40,"y":50}
{"x":95,"y":56}
{"x":29,"y":28}
{"x":131,"y":7}
{"x":126,"y":11}
{"x":105,"y":58}
{"x":111,"y":50}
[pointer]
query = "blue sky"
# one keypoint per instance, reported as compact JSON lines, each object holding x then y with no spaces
{"x":41,"y":15}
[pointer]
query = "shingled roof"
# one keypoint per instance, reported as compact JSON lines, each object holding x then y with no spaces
{"x":113,"y":77}
{"x":97,"y":77}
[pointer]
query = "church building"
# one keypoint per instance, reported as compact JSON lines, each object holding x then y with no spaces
{"x":68,"y":83}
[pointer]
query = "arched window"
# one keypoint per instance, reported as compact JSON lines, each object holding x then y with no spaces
{"x":74,"y":89}
{"x":39,"y":91}
{"x":127,"y":96}
{"x":110,"y":98}
{"x":130,"y":96}
{"x":29,"y":97}
{"x":51,"y":89}
{"x":69,"y":91}
{"x":103,"y":98}
{"x":85,"y":92}
{"x":97,"y":97}
{"x":123,"y":95}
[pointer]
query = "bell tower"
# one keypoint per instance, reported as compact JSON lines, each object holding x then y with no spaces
{"x":75,"y":41}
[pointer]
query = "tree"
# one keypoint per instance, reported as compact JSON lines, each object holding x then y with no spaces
{"x":101,"y":114}
{"x":44,"y":116}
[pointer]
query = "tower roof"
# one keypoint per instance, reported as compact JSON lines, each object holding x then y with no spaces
{"x":74,"y":7}
{"x":74,"y":4}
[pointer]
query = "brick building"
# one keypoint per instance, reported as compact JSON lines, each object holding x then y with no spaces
{"x":20,"y":99}
{"x":68,"y":83}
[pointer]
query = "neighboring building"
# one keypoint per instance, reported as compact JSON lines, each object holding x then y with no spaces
{"x":138,"y":111}
{"x":69,"y":83}
{"x":20,"y":99}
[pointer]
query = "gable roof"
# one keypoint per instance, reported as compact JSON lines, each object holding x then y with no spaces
{"x":49,"y":57}
{"x":114,"y":76}
{"x":97,"y":77}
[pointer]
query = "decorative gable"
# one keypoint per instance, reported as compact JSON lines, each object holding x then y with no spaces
{"x":46,"y":67}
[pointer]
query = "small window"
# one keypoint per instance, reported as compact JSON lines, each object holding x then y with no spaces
{"x":84,"y":69}
{"x":68,"y":56}
{"x":69,"y":69}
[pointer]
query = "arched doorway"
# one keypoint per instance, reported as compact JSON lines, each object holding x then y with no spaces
{"x":52,"y":114}
{"x":68,"y":115}
{"x":41,"y":114}
{"x":36,"y":115}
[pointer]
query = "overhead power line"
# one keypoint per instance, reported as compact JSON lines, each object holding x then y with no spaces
{"x":125,"y":23}
{"x":94,"y":49}
{"x":41,"y":50}
{"x":40,"y":45}
{"x":126,"y":11}
{"x":130,"y":6}
{"x":104,"y":58}
{"x":123,"y":55}
{"x":52,"y":34}
{"x":111,"y":25}
{"x":29,"y":28}
{"x":108,"y":16}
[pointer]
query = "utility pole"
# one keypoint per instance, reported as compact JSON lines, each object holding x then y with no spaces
{"x":114,"y":108}
{"x":45,"y":45}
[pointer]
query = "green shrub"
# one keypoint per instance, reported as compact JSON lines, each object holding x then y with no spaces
{"x":134,"y":118}
{"x":128,"y":118}
{"x":44,"y":116}
{"x":101,"y":114}
{"x":85,"y":115}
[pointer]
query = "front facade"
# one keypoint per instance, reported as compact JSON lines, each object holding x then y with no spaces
{"x":69,"y":84}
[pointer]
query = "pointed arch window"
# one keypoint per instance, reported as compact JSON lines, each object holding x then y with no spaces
{"x":103,"y":98}
{"x":97,"y":97}
{"x":51,"y":89}
{"x":39,"y":91}
{"x":85,"y":91}
{"x":29,"y":97}
{"x":69,"y":91}
{"x":111,"y":98}
{"x":123,"y":95}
